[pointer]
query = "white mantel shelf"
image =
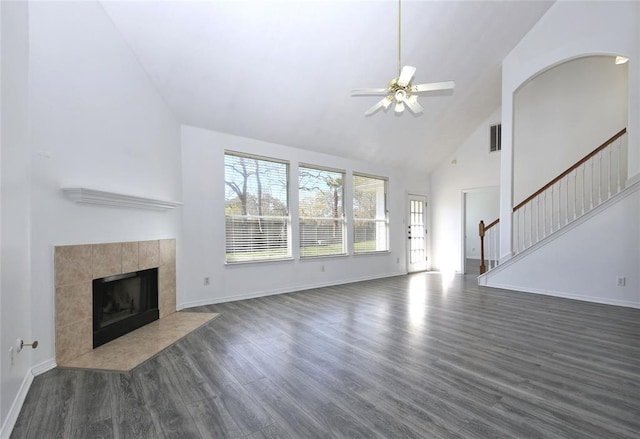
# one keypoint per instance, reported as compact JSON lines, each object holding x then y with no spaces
{"x":92,"y":196}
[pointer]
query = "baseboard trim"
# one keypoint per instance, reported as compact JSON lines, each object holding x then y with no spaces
{"x":16,"y":406}
{"x":565,"y":295}
{"x":256,"y":294}
{"x":43,"y":367}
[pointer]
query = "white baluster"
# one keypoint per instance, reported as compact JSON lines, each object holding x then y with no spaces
{"x":538,"y":198}
{"x":544,"y":213}
{"x":619,"y":171}
{"x":551,"y":213}
{"x":530,"y":223}
{"x":575,"y":193}
{"x":566,"y":203}
{"x":559,"y":204}
{"x":600,"y":177}
{"x":583,"y":189}
{"x":609,"y":174}
{"x":592,"y":183}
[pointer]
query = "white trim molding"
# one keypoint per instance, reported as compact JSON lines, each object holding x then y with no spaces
{"x":93,"y":196}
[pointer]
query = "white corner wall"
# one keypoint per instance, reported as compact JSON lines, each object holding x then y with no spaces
{"x":475,"y":168}
{"x":15,"y":300}
{"x":569,"y":30}
{"x":480,"y":205}
{"x":585,"y":261}
{"x":96,"y":122}
{"x":204,"y":229}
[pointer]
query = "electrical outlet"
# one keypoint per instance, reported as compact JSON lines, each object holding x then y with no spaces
{"x":621,"y":281}
{"x":11,"y":355}
{"x":397,"y":260}
{"x":207,"y":281}
{"x":322,"y":268}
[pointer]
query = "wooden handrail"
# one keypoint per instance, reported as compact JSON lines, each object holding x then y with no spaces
{"x":570,"y":169}
{"x":483,"y":228}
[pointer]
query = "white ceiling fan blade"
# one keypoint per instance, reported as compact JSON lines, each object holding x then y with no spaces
{"x":369,"y":91}
{"x":399,"y":107}
{"x":405,"y":75}
{"x":383,"y":103}
{"x":413,"y":104}
{"x":433,"y":86}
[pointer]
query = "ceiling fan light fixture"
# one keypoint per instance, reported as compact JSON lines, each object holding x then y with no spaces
{"x":400,"y":90}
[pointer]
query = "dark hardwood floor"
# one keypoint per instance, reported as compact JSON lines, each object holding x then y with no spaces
{"x":413,"y":356}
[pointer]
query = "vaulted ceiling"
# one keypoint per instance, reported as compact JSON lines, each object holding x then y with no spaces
{"x":282,"y":71}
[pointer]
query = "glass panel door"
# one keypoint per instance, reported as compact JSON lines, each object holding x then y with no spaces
{"x":417,"y":234}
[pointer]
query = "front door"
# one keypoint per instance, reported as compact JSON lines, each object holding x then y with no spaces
{"x":417,"y":234}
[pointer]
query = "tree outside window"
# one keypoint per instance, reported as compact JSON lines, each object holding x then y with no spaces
{"x":256,"y":209}
{"x":370,"y":215}
{"x":321,"y":212}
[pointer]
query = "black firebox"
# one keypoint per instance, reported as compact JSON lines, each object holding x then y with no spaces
{"x":123,"y":303}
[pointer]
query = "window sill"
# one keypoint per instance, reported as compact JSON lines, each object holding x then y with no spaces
{"x":374,"y":252}
{"x":259,"y":261}
{"x":313,"y":258}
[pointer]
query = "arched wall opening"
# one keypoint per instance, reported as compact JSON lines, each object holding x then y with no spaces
{"x":563,"y":113}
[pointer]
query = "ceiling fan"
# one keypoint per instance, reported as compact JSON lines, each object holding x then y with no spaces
{"x":401,"y":90}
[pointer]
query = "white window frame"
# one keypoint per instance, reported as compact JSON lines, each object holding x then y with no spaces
{"x":320,"y":248}
{"x":258,"y":254}
{"x":381,"y":219}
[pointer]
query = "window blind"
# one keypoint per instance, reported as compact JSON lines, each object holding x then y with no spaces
{"x":257,"y":223}
{"x":370,"y":219}
{"x":321,"y":212}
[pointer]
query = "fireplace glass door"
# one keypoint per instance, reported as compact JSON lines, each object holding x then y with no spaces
{"x":123,"y":303}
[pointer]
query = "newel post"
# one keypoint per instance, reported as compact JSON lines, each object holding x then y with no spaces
{"x":483,"y":268}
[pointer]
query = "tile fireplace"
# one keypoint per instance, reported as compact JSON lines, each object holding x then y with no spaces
{"x":78,"y":267}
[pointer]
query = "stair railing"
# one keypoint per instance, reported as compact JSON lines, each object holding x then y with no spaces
{"x":595,"y":178}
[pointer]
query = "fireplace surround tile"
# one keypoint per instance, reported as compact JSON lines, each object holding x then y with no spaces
{"x":72,"y":264}
{"x":73,"y":303}
{"x":129,"y":256}
{"x":167,"y":289}
{"x":148,"y":254}
{"x":76,"y":266}
{"x":73,"y":340}
{"x":106,"y":259}
{"x":167,"y":251}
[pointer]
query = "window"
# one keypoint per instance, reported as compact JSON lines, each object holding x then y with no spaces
{"x":370,"y":221}
{"x":495,"y":142}
{"x":256,"y":208}
{"x":321,"y":212}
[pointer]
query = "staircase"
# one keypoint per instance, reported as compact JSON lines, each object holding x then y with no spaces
{"x":596,"y":178}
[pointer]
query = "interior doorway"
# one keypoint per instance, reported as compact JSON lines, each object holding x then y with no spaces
{"x":482,"y":204}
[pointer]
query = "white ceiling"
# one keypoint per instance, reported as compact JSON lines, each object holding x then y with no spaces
{"x":282,"y":71}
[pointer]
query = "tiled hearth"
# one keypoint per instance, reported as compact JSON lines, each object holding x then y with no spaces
{"x":75,"y":268}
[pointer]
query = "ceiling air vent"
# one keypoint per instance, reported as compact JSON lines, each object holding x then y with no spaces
{"x":495,"y":134}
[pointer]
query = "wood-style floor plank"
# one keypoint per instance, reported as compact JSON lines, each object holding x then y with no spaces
{"x":417,"y":356}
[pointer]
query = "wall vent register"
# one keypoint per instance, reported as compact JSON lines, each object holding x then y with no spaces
{"x":495,"y":133}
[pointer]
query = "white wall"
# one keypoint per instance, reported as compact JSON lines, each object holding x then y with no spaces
{"x":480,"y":205}
{"x":585,"y":261}
{"x":96,"y":122}
{"x":563,"y":114}
{"x":569,"y":30}
{"x":203,"y":221}
{"x":475,"y":168}
{"x":15,"y":302}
